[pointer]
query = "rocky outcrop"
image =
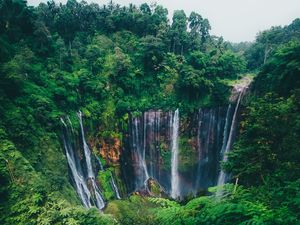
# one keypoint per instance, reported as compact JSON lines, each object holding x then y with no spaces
{"x":108,"y":149}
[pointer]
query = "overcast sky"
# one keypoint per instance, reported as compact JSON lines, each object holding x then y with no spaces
{"x":235,"y":20}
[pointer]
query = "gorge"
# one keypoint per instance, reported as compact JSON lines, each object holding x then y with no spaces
{"x":157,"y":137}
{"x":154,"y":152}
{"x":124,"y":115}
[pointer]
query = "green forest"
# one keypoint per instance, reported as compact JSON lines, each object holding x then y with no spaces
{"x":112,"y":62}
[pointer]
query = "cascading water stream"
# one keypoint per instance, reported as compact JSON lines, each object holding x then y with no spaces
{"x":151,"y":142}
{"x":143,"y":153}
{"x":226,"y":129}
{"x":206,"y":132}
{"x":228,"y":141}
{"x":114,"y":186}
{"x":87,"y":152}
{"x":200,"y":122}
{"x":80,"y":184}
{"x":175,"y":188}
{"x":68,"y":118}
{"x":208,"y":136}
{"x":91,"y":177}
{"x":138,"y":144}
{"x":99,"y":163}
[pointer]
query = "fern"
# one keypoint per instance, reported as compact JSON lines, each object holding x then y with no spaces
{"x":164,"y":203}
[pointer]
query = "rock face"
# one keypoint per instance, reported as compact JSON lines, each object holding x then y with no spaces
{"x":81,"y":168}
{"x":152,"y":188}
{"x":203,"y":140}
{"x":155,"y":189}
{"x":110,"y":150}
{"x":241,"y":87}
{"x":148,"y":150}
{"x":199,"y":150}
{"x":161,"y":154}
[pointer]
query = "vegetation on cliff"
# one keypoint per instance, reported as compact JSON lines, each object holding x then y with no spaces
{"x":110,"y":60}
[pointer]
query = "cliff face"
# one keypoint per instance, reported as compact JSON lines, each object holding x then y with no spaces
{"x":204,"y":138}
{"x":146,"y":149}
{"x":108,"y":149}
{"x":181,"y":153}
{"x":200,"y":140}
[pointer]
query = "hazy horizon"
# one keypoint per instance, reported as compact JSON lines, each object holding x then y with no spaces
{"x":235,"y":20}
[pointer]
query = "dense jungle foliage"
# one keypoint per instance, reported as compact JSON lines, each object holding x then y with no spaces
{"x":110,"y":60}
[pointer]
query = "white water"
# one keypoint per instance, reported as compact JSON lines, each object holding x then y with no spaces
{"x":227,"y":142}
{"x":91,"y":176}
{"x":99,"y":162}
{"x":151,"y":141}
{"x":99,"y":200}
{"x":114,"y":186}
{"x":206,"y":125}
{"x":68,"y":118}
{"x":81,"y":187}
{"x":87,"y":152}
{"x":226,"y":127}
{"x":199,"y":148}
{"x":143,"y":154}
{"x":175,"y":189}
{"x":139,"y":152}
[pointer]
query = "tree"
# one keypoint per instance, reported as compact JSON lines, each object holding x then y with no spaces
{"x":193,"y":83}
{"x":152,"y":49}
{"x":282,"y":72}
{"x":43,"y":37}
{"x":67,"y":21}
{"x":19,"y":68}
{"x":268,"y":41}
{"x":15,"y":19}
{"x":199,"y":30}
{"x":178,"y":32}
{"x":145,"y":9}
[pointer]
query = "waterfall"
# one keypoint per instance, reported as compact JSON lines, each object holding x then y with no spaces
{"x":87,"y":152}
{"x":208,"y":136}
{"x":114,"y":186}
{"x":150,"y":134}
{"x":175,"y":189}
{"x":207,"y":132}
{"x":157,"y":144}
{"x":99,"y":163}
{"x":139,"y":147}
{"x":76,"y":170}
{"x":228,"y":141}
{"x":200,"y":123}
{"x":90,"y":173}
{"x":226,"y":128}
{"x":68,"y":118}
{"x":154,"y":147}
{"x":151,"y":142}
